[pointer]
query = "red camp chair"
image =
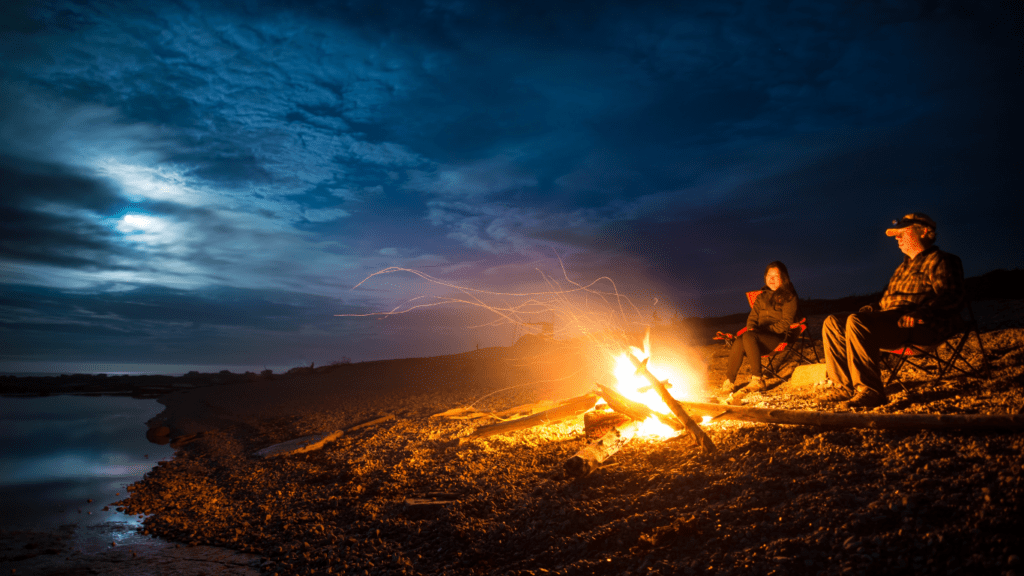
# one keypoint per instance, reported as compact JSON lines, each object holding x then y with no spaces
{"x":946,"y":359}
{"x":797,"y":346}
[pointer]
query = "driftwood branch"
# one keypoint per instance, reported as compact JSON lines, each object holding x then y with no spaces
{"x":567,"y":409}
{"x":317,"y":441}
{"x":694,"y":430}
{"x":1007,"y":423}
{"x":594,"y":454}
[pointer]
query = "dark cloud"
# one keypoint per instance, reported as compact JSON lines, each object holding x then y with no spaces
{"x":55,"y":240}
{"x":31,"y":183}
{"x":247,"y":163}
{"x":48,"y":216}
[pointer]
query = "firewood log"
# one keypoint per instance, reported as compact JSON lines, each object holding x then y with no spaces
{"x":980,"y":422}
{"x":594,"y":454}
{"x":567,"y":409}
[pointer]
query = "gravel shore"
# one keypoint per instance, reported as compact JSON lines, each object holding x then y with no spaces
{"x":404,"y":497}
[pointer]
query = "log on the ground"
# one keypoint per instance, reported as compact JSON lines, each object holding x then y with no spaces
{"x":299,"y":445}
{"x":567,"y":409}
{"x":463,"y":413}
{"x":594,"y":454}
{"x":423,"y":508}
{"x":370,"y":422}
{"x":317,"y":441}
{"x":635,"y":410}
{"x":692,"y":428}
{"x":967,"y":422}
{"x":471,"y":413}
{"x":526,"y":409}
{"x":460,"y":413}
{"x":597,"y":423}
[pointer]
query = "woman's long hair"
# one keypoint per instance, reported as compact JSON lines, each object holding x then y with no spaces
{"x":786,"y":290}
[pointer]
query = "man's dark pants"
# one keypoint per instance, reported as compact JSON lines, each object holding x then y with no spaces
{"x":852,"y":348}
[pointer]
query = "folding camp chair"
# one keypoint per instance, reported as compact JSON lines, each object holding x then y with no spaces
{"x":797,"y":346}
{"x":948,"y":356}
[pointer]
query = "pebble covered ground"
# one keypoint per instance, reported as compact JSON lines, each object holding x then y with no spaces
{"x":773,"y":499}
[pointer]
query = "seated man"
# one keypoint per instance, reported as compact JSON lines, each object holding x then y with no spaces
{"x":919,"y":306}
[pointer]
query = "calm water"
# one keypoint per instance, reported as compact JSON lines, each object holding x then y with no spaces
{"x":59,"y":452}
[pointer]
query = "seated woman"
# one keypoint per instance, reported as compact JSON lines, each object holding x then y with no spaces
{"x":767,"y":325}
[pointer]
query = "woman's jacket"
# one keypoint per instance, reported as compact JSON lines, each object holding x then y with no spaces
{"x":767,"y":318}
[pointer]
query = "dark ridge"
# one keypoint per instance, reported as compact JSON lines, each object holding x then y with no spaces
{"x":994,"y":285}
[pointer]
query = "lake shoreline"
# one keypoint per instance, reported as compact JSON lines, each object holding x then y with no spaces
{"x":67,"y":459}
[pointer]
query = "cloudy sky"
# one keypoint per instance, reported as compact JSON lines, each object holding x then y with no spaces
{"x":205,"y":183}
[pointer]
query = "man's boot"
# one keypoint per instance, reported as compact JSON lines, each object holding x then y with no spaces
{"x":864,"y":397}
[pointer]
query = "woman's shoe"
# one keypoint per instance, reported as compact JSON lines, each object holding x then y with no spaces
{"x":729,"y":387}
{"x":756,"y":384}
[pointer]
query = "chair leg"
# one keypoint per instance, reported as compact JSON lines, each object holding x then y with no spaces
{"x":984,"y":356}
{"x":768,"y":368}
{"x":776,"y":361}
{"x":958,"y":354}
{"x":901,"y":359}
{"x":945,"y":366}
{"x":817,"y":357}
{"x":796,"y":351}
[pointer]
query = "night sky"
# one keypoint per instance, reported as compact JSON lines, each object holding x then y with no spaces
{"x":202,"y":184}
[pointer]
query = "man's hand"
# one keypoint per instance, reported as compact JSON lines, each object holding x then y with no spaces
{"x":866,"y":309}
{"x":908,"y":321}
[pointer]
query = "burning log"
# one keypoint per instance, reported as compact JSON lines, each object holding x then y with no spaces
{"x":698,"y":435}
{"x":594,"y":454}
{"x":635,"y":410}
{"x":567,"y":409}
{"x":1000,"y":423}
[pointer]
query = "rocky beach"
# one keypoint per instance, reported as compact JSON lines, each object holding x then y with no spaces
{"x":403,"y":495}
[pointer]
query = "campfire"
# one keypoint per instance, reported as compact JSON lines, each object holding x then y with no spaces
{"x":637,"y":405}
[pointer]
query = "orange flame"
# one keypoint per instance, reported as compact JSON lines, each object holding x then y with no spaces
{"x":630,"y":384}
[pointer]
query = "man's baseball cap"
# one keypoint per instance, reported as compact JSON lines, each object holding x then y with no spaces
{"x":910,"y":220}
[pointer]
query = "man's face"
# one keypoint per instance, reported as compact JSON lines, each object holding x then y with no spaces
{"x":909,"y":241}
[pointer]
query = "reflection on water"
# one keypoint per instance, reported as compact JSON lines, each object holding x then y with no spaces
{"x":59,"y":452}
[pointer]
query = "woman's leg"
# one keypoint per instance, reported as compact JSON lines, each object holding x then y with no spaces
{"x":753,"y":351}
{"x":757,"y":343}
{"x":735,"y":359}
